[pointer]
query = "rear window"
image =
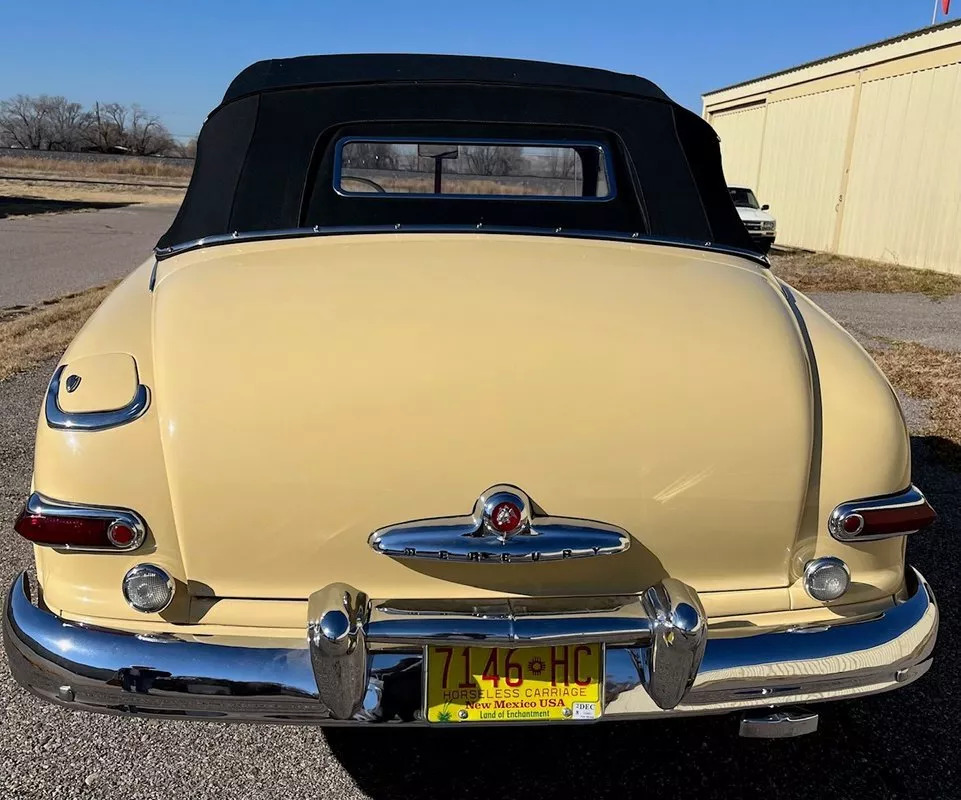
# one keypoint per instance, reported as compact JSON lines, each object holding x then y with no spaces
{"x":461,"y":168}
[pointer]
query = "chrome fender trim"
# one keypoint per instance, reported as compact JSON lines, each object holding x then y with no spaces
{"x":56,"y":417}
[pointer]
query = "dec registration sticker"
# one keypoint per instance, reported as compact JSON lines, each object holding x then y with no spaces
{"x":511,"y":684}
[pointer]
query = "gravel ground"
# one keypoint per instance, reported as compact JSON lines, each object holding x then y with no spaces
{"x":909,"y":317}
{"x":50,"y":255}
{"x":895,"y":745}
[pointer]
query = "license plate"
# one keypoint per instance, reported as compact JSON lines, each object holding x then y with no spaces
{"x":513,"y":684}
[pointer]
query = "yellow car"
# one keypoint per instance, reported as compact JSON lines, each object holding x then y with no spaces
{"x":454,"y":395}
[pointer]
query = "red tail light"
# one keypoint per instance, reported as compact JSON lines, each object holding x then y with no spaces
{"x":881,"y":517}
{"x":62,"y":530}
{"x":47,"y":522}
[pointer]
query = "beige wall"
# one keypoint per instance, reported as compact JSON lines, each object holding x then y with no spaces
{"x":801,"y":165}
{"x":863,"y":161}
{"x":741,"y":132}
{"x":903,"y":201}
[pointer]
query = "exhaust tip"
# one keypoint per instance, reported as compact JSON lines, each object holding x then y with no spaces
{"x":779,"y":723}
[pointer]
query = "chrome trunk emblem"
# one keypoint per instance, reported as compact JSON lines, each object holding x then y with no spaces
{"x":503,"y":528}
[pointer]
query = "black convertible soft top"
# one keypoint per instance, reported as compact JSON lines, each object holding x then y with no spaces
{"x":265,"y":154}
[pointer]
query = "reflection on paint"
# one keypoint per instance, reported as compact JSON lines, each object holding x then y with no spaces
{"x":681,"y":485}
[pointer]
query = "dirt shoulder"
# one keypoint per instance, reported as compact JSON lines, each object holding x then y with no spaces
{"x":31,"y":335}
{"x":933,"y":377}
{"x":19,"y":196}
{"x":825,"y":272}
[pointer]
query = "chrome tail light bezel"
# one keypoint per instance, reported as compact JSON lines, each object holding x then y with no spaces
{"x":861,"y":510}
{"x":38,"y":505}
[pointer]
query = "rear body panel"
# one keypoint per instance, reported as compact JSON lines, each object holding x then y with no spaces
{"x":308,"y":392}
{"x":313,"y":392}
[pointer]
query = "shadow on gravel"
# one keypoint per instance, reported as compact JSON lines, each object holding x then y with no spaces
{"x":894,"y":745}
{"x":25,"y":206}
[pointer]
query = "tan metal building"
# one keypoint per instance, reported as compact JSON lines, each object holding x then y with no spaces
{"x":859,"y":153}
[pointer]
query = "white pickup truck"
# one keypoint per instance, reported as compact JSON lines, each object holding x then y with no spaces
{"x":759,"y":223}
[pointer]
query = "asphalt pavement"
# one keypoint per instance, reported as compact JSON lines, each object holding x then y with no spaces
{"x":905,"y":316}
{"x":49,"y":255}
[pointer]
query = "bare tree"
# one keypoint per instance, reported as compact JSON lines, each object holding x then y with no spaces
{"x":187,"y":149}
{"x":561,"y":163}
{"x":492,"y":159}
{"x":23,"y":121}
{"x":107,"y":131}
{"x":66,"y":124}
{"x":147,"y":135}
{"x":55,"y":123}
{"x":370,"y":155}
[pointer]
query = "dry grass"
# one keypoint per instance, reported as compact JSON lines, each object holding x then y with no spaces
{"x":824,"y":272}
{"x":928,"y":374}
{"x":119,"y":169}
{"x":31,"y":335}
{"x":456,"y":183}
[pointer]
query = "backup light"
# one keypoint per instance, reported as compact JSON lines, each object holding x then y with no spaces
{"x":148,"y":588}
{"x":826,"y":578}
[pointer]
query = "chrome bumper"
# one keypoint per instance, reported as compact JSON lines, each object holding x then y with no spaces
{"x":362,"y":660}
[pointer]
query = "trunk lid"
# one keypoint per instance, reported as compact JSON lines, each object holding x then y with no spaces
{"x":312,"y":391}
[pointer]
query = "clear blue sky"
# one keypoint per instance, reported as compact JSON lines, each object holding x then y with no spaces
{"x":176,"y":58}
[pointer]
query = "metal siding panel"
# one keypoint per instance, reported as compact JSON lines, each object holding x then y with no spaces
{"x":902,"y":203}
{"x":802,"y":165}
{"x":927,"y":42}
{"x":740,"y":133}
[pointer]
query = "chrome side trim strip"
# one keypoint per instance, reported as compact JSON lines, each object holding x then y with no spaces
{"x":39,"y":505}
{"x":475,"y":538}
{"x":912,"y":497}
{"x":342,"y":230}
{"x":56,"y":417}
{"x":165,"y":675}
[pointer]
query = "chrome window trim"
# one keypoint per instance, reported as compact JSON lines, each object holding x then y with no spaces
{"x":513,"y":230}
{"x":912,"y":496}
{"x":56,"y":417}
{"x":40,"y":505}
{"x":569,"y":144}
